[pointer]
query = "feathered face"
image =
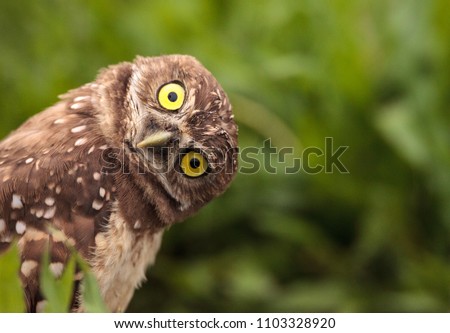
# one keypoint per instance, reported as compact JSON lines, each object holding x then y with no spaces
{"x":178,"y":128}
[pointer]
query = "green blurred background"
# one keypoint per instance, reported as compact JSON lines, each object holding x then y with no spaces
{"x":374,"y":75}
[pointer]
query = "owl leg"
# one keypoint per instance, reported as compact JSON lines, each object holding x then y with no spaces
{"x":33,"y":245}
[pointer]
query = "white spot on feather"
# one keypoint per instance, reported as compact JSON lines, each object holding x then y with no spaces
{"x":6,"y":238}
{"x":58,"y":189}
{"x":80,"y":141}
{"x":91,"y":149}
{"x":97,"y":204}
{"x":102,"y":192}
{"x":2,"y":225}
{"x":27,"y":266}
{"x":16,"y":202}
{"x":96,"y":175}
{"x":80,"y":98}
{"x":39,"y":212}
{"x":78,"y":129}
{"x":20,"y":227}
{"x":40,"y":306}
{"x":76,"y":106}
{"x":56,"y":268}
{"x":137,"y":224}
{"x":59,"y":121}
{"x":50,"y":212}
{"x":33,"y":234}
{"x":100,"y":239}
{"x":49,"y":201}
{"x":59,"y":236}
{"x":73,"y":170}
{"x":29,"y":160}
{"x":79,"y":180}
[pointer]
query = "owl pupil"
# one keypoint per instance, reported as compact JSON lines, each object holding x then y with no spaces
{"x":194,"y":163}
{"x":172,"y":96}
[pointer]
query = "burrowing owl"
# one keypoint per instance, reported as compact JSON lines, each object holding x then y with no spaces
{"x":110,"y":166}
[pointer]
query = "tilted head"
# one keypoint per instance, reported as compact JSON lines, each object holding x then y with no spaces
{"x":174,"y":125}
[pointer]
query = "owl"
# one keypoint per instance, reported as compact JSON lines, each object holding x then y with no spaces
{"x":109,"y":167}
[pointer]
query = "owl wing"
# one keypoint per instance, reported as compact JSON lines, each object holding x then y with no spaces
{"x":54,"y":192}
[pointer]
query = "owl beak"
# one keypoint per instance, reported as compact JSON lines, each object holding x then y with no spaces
{"x":156,"y":139}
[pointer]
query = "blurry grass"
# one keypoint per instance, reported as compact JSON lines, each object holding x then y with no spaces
{"x":374,"y":75}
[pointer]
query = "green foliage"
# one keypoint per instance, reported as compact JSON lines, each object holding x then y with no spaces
{"x":373,"y":75}
{"x":11,"y":295}
{"x":57,"y":291}
{"x":92,"y":300}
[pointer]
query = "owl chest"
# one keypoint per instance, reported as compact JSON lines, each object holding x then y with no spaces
{"x":120,"y":261}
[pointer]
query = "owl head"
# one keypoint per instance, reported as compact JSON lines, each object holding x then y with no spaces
{"x":173,"y":126}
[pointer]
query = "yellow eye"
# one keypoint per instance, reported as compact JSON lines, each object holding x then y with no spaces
{"x":193,"y":164}
{"x":171,"y":96}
